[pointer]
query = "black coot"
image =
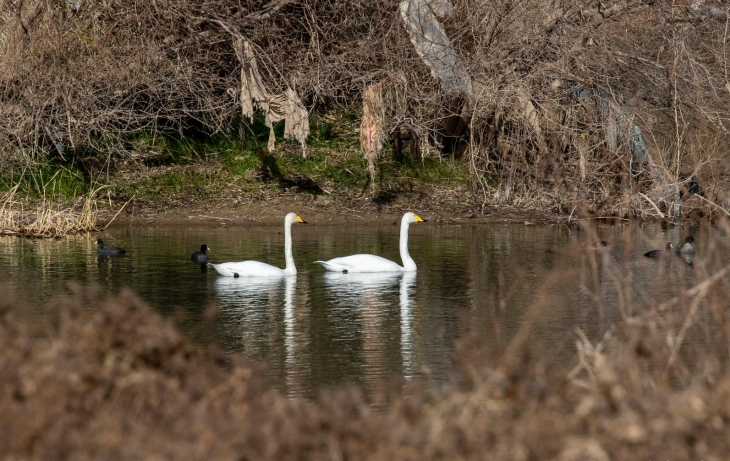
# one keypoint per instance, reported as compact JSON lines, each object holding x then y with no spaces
{"x":200,"y":257}
{"x":109,"y":250}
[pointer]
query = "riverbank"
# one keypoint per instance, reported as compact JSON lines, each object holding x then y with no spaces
{"x":435,"y":203}
{"x":566,"y":132}
{"x":225,"y":183}
{"x":442,"y":206}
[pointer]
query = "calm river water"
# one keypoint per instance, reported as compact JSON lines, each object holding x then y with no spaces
{"x":378,"y":331}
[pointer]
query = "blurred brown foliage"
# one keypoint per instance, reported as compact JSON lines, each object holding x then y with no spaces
{"x":112,"y":379}
{"x":557,"y":86}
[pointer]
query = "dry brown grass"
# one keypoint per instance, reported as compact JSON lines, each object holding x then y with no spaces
{"x":48,"y":219}
{"x":114,"y":379}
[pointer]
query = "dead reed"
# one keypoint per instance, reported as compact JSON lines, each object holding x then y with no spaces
{"x":48,"y":219}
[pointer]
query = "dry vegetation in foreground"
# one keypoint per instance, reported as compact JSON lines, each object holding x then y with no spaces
{"x":116,"y":380}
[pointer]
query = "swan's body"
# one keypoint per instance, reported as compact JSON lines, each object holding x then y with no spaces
{"x":363,"y":263}
{"x":109,"y":250}
{"x":252,"y":269}
{"x":259,"y":269}
{"x":200,"y":257}
{"x":372,"y":263}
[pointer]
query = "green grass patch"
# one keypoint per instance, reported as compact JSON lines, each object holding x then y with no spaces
{"x":50,"y":181}
{"x":162,"y":167}
{"x":169,"y":182}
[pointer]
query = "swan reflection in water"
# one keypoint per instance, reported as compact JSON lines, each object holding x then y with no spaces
{"x":407,"y":287}
{"x":256,"y":310}
{"x":243,"y":292}
{"x":252,"y":309}
{"x":374,"y":295}
{"x":355,"y":286}
{"x":295,"y":370}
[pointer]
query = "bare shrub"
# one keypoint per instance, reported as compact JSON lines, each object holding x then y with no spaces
{"x":560,"y":90}
{"x":88,"y":77}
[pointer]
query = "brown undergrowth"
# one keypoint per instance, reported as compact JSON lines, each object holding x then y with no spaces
{"x":113,"y":379}
{"x":567,"y":102}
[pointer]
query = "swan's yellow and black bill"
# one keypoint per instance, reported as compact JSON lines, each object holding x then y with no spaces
{"x":418,"y":218}
{"x":299,"y":219}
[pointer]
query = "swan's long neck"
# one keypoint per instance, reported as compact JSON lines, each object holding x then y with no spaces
{"x":290,"y":269}
{"x":408,"y":264}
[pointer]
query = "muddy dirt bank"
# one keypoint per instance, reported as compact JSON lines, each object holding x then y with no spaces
{"x":439,"y":206}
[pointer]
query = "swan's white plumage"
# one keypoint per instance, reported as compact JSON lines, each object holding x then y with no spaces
{"x":248,"y":269}
{"x":259,"y":269}
{"x":371,"y":263}
{"x":361,"y":263}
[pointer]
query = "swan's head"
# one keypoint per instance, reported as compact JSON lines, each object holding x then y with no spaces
{"x":411,"y":218}
{"x":292,"y":218}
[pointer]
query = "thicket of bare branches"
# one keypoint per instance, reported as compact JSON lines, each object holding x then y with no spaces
{"x":78,"y":74}
{"x":558,"y":87}
{"x":561,"y":90}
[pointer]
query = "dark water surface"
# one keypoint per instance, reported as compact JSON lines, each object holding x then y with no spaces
{"x":321,"y":329}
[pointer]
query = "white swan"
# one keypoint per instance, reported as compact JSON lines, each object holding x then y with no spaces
{"x":259,"y":269}
{"x":373,"y":263}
